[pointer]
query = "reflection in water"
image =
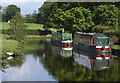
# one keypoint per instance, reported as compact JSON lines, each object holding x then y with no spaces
{"x":15,"y":62}
{"x":62,"y":52}
{"x":67,"y":69}
{"x":95,"y":61}
{"x":45,"y":62}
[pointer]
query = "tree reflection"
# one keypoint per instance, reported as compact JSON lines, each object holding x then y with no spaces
{"x":17,"y":61}
{"x":67,"y":69}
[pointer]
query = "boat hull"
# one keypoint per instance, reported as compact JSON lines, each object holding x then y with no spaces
{"x":91,"y":48}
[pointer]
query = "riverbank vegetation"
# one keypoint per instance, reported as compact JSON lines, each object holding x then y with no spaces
{"x":32,"y":26}
{"x":102,"y":17}
{"x":8,"y":44}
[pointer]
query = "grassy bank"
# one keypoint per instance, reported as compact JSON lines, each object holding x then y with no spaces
{"x":117,"y":47}
{"x":9,"y":45}
{"x":6,"y":25}
{"x":31,"y":26}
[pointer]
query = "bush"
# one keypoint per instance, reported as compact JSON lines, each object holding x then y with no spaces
{"x":113,"y":39}
{"x":32,"y":32}
{"x":28,"y":32}
{"x":8,"y":31}
{"x":108,"y":30}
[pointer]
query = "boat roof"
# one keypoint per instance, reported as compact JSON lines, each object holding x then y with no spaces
{"x":92,"y":34}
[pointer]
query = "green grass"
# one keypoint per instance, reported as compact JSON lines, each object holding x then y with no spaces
{"x":35,"y":37}
{"x":9,"y":45}
{"x":33,"y":26}
{"x":5,"y":25}
{"x":115,"y":47}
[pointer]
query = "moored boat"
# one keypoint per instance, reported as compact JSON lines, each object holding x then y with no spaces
{"x":92,"y":42}
{"x":62,"y":39}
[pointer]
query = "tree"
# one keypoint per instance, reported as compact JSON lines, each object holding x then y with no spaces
{"x":0,"y":13}
{"x":45,"y":10}
{"x":10,"y":11}
{"x":69,"y":16}
{"x":0,"y":8}
{"x":28,"y":18}
{"x":107,"y":15}
{"x":17,"y":24}
{"x":31,"y":18}
{"x":77,"y":18}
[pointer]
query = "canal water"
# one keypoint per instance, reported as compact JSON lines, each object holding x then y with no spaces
{"x":45,"y":62}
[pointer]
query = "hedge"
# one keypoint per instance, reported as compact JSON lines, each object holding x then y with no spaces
{"x":28,"y":32}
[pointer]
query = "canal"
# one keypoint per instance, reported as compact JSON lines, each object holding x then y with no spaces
{"x":42,"y":61}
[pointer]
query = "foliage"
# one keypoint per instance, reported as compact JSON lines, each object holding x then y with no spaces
{"x":77,"y":18}
{"x":44,"y":12}
{"x":9,"y":12}
{"x":108,"y":30}
{"x":80,"y":16}
{"x":66,"y":69}
{"x":28,"y":18}
{"x":107,"y":15}
{"x":18,"y":26}
{"x":0,"y":9}
{"x":116,"y":47}
{"x":31,"y":18}
{"x":8,"y":31}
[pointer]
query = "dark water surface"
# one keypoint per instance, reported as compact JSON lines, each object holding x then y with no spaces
{"x":45,"y":62}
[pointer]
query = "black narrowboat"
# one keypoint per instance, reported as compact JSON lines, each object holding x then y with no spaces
{"x":91,"y":42}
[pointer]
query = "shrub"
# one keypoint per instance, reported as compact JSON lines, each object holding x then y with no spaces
{"x":8,"y":31}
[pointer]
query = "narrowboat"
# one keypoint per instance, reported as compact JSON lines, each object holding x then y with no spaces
{"x":91,"y":42}
{"x":62,"y":39}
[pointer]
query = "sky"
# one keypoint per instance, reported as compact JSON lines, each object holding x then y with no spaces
{"x":26,"y":6}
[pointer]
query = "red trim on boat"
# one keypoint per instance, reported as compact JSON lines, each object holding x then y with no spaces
{"x":93,"y":37}
{"x":93,"y":63}
{"x":98,"y":48}
{"x":102,"y":49}
{"x":70,"y":43}
{"x":70,"y":46}
{"x":64,"y":43}
{"x":106,"y":55}
{"x":67,"y":46}
{"x":102,"y":55}
{"x":106,"y":49}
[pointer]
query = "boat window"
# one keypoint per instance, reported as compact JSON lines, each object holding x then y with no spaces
{"x":101,"y":41}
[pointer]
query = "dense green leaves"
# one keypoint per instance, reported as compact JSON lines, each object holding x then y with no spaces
{"x":107,"y":15}
{"x":80,"y":16}
{"x":31,"y":18}
{"x":9,"y":12}
{"x":0,"y":9}
{"x":73,"y":19}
